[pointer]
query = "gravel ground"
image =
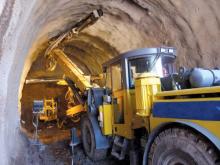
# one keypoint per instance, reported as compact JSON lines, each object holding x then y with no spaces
{"x":59,"y":154}
{"x":54,"y":149}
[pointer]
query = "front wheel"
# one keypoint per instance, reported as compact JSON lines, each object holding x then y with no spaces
{"x":88,"y":140}
{"x":177,"y":146}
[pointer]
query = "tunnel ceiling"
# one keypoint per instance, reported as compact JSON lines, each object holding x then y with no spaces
{"x":191,"y":26}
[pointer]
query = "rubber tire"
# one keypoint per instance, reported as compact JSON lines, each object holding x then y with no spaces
{"x":180,"y":145}
{"x":88,"y":141}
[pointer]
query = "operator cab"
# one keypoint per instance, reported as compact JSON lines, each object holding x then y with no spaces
{"x":130,"y":65}
{"x":121,"y":73}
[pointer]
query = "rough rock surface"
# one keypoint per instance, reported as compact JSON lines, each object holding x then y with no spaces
{"x":192,"y":26}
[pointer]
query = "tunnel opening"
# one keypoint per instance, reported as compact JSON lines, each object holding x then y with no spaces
{"x":87,"y":53}
{"x":126,"y":25}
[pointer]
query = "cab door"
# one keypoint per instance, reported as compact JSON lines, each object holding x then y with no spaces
{"x":117,"y":93}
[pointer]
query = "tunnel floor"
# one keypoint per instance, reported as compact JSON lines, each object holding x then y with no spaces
{"x":59,"y":153}
{"x":52,"y":148}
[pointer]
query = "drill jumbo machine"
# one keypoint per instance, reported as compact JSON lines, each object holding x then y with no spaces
{"x":146,"y":107}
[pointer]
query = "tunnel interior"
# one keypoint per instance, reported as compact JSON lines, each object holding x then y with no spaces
{"x":88,"y":53}
{"x":191,"y":27}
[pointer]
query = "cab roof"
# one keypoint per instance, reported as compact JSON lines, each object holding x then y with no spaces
{"x":167,"y":51}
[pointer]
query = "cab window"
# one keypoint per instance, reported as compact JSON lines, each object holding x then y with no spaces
{"x":108,"y":78}
{"x":141,"y":65}
{"x":116,"y":77}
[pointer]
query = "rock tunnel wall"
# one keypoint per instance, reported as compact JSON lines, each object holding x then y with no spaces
{"x":192,"y":26}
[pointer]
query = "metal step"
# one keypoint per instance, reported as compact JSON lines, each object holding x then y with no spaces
{"x":119,"y":147}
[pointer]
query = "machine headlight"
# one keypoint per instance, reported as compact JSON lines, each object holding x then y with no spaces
{"x":163,"y":50}
{"x":170,"y":50}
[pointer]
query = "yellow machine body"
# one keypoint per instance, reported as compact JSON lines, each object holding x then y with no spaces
{"x":210,"y":127}
{"x":105,"y":118}
{"x":146,"y":86}
{"x":136,"y":107}
{"x":133,"y":107}
{"x":124,"y":117}
{"x":49,"y":112}
{"x":204,"y":120}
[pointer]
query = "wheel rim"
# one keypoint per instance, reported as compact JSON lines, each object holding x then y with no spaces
{"x":176,"y":157}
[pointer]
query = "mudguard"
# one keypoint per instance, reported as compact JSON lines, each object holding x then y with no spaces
{"x":204,"y":132}
{"x":94,"y":100}
{"x":102,"y":142}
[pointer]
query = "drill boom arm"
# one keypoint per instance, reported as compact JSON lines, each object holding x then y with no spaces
{"x":54,"y":55}
{"x":71,"y":70}
{"x":89,"y":20}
